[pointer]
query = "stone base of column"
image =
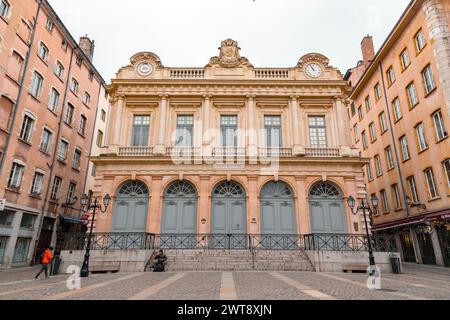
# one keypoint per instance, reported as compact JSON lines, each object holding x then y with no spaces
{"x":298,"y":151}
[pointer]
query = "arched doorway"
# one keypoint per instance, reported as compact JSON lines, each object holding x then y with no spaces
{"x":228,"y":215}
{"x":327,"y":209}
{"x":277,"y":209}
{"x":131,"y":207}
{"x":180,"y":209}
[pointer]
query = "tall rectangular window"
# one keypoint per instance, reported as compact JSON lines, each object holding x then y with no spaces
{"x":63,"y":149}
{"x":36,"y":84}
{"x":49,"y":25}
{"x":38,"y":182}
{"x":82,"y":125}
{"x":15,"y":175}
{"x":428,"y":79}
{"x":20,"y":65}
{"x":74,"y":86}
{"x":100,"y":138}
{"x":76,"y":161}
{"x":378,"y":165}
{"x":86,"y":99}
{"x":420,"y":41}
{"x":389,"y":158}
{"x":377,"y":90}
{"x":413,"y":189}
{"x":439,"y":126}
{"x":21,"y":250}
{"x":43,"y":52}
{"x":369,"y":170}
{"x":384,"y":201}
{"x":396,"y":197}
{"x":4,"y":10}
{"x":364,"y":139}
{"x":404,"y":59}
{"x":412,"y":95}
{"x":26,"y":132}
{"x":317,"y":132}
{"x":71,"y":192}
{"x":185,"y":131}
{"x":390,"y":76}
{"x":421,"y":139}
{"x":141,"y":129}
{"x":405,"y":148}
{"x":273,"y":135}
{"x":446,"y":165}
{"x":54,"y":100}
{"x":56,"y":189}
{"x":368,"y":104}
{"x":431,"y":182}
{"x":372,"y":132}
{"x":68,"y":117}
{"x":396,"y":108}
{"x":59,"y":70}
{"x":356,"y":133}
{"x":360,"y":113}
{"x":46,"y":140}
{"x":228,"y":129}
{"x":382,"y":120}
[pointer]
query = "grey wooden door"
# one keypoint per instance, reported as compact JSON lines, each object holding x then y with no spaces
{"x":180,"y":209}
{"x":229,"y":218}
{"x":327,"y":209}
{"x":131,"y":207}
{"x":278,"y":222}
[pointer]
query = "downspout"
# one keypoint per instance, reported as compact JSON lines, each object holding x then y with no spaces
{"x":394,"y":142}
{"x":19,"y":95}
{"x":55,"y":150}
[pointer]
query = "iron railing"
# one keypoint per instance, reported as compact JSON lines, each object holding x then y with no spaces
{"x":147,"y":241}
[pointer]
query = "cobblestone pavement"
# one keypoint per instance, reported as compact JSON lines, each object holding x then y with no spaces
{"x":416,"y":282}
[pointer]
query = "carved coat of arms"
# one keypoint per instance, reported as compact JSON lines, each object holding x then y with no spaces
{"x":229,"y":56}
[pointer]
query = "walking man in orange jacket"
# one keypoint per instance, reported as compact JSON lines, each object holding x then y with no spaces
{"x":47,"y":257}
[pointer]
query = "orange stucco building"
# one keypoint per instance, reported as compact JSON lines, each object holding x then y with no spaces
{"x":400,"y":118}
{"x":229,"y":149}
{"x":49,"y":93}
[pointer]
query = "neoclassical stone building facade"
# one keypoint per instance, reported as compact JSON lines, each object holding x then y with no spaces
{"x":229,"y":149}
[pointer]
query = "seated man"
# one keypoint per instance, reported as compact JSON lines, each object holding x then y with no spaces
{"x":160,"y":262}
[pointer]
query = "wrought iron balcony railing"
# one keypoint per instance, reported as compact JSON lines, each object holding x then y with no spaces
{"x":314,"y":242}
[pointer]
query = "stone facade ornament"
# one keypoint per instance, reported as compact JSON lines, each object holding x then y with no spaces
{"x":313,"y":57}
{"x":229,"y":56}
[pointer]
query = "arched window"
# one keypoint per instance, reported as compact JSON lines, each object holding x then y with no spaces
{"x":229,"y":189}
{"x":133,"y":189}
{"x":181,"y":189}
{"x":325,"y":190}
{"x":276,"y":190}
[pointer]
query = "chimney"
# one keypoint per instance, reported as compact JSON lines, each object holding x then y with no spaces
{"x":88,"y":46}
{"x":367,"y":49}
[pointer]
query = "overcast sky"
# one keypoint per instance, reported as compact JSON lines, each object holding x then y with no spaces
{"x":186,"y":33}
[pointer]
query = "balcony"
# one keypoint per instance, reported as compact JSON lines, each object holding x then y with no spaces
{"x":272,"y":73}
{"x":187,"y":73}
{"x":323,"y":152}
{"x":264,"y":152}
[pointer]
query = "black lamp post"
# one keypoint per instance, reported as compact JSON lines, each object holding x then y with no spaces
{"x":85,"y":207}
{"x":364,"y":207}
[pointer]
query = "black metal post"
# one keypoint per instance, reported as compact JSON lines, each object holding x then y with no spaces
{"x":371,"y":257}
{"x":84,"y":273}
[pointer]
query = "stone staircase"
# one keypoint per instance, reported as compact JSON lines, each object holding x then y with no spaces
{"x":238,"y":260}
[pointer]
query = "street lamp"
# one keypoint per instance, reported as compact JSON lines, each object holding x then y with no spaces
{"x":86,"y":207}
{"x":365,"y":208}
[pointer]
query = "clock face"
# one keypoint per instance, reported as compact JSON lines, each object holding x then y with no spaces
{"x":145,"y":69}
{"x":314,"y":70}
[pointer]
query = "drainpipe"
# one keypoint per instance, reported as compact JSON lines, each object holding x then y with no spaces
{"x":394,"y":141}
{"x":21,"y":89}
{"x":55,"y":150}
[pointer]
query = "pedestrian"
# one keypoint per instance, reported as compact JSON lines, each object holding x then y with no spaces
{"x":46,"y":259}
{"x":160,"y":262}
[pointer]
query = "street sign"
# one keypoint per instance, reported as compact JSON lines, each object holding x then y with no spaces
{"x":2,"y":204}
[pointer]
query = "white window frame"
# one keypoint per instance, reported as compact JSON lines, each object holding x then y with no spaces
{"x":431,"y":183}
{"x":428,"y":79}
{"x":389,"y":159}
{"x":54,"y":100}
{"x":396,"y":107}
{"x":439,"y":126}
{"x":37,"y":83}
{"x":26,"y":134}
{"x":36,"y":189}
{"x":446,"y":166}
{"x":406,"y":155}
{"x":413,"y":98}
{"x":421,"y":137}
{"x":16,"y":174}
{"x":413,"y":189}
{"x":42,"y":146}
